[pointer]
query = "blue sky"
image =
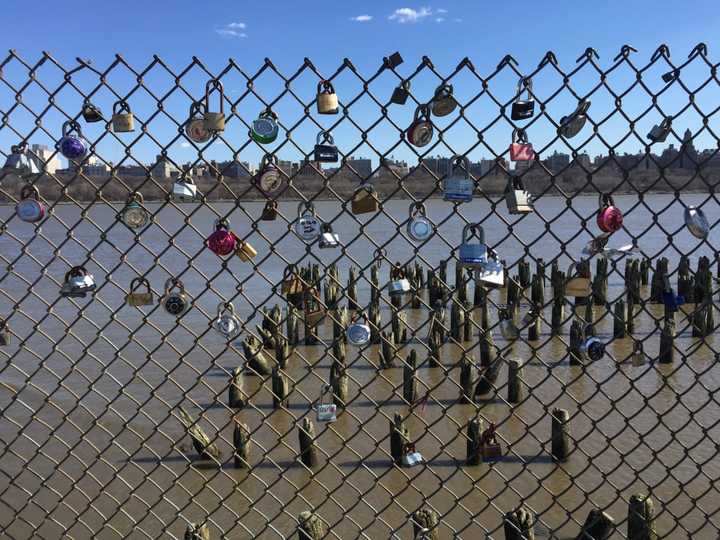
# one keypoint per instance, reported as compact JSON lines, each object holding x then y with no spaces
{"x":326,"y":32}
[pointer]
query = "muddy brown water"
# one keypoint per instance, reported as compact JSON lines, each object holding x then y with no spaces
{"x":93,"y":447}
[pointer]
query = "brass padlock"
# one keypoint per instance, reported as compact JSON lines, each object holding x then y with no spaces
{"x":123,"y":120}
{"x":91,"y":113}
{"x":518,"y":200}
{"x":4,"y":333}
{"x":214,"y":121}
{"x":577,"y":285}
{"x":134,"y":298}
{"x":245,"y":251}
{"x":364,"y":200}
{"x":291,"y":284}
{"x":270,"y":211}
{"x":327,"y":100}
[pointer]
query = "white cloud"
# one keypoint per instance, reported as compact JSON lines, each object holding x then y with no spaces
{"x":232,"y":30}
{"x":404,"y":15}
{"x":440,"y":19}
{"x":185,"y":144}
{"x":440,"y":10}
{"x":361,"y":18}
{"x":240,"y":25}
{"x":457,"y":20}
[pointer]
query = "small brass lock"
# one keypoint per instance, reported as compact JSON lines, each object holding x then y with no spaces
{"x":214,"y":121}
{"x":291,"y":284}
{"x":245,"y":251}
{"x":327,"y":100}
{"x":364,"y":200}
{"x":270,"y":211}
{"x":176,"y":303}
{"x":490,"y":447}
{"x":123,"y":120}
{"x":135,"y":298}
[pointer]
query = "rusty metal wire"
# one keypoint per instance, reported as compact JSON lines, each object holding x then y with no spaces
{"x":94,"y":440}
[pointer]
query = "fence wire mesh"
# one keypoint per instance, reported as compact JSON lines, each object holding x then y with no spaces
{"x":570,"y":393}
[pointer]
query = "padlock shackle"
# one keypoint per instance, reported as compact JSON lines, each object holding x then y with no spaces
{"x":75,"y":271}
{"x":222,"y":223}
{"x":20,"y":148}
{"x":422,"y":112}
{"x":120,"y":106}
{"x":185,"y":180}
{"x":210,"y":86}
{"x":267,"y":160}
{"x":70,"y":126}
{"x":226,"y":306}
{"x":197,"y":108}
{"x":30,"y":191}
{"x":306,"y":208}
{"x":605,"y":201}
{"x":459,"y":161}
{"x":268,"y":113}
{"x":443,"y":91}
{"x":172,"y":283}
{"x":324,"y":136}
{"x":325,"y":87}
{"x":138,"y":282}
{"x":326,"y":228}
{"x":417,"y":208}
{"x":476,"y":230}
{"x":519,"y":136}
{"x":524,"y":83}
{"x":516,"y":182}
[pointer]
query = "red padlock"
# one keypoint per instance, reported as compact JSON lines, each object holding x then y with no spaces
{"x":222,"y":242}
{"x":520,"y":148}
{"x":609,"y":218}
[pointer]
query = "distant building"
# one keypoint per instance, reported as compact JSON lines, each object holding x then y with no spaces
{"x":46,"y":159}
{"x":90,"y":167}
{"x":235,"y":169}
{"x":557,"y":161}
{"x":398,"y":167}
{"x":362,"y":166}
{"x":163,"y":168}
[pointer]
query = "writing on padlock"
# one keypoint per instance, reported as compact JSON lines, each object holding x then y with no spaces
{"x":457,"y":184}
{"x":473,"y":255}
{"x":326,"y":412}
{"x":325,"y":150}
{"x":123,"y":120}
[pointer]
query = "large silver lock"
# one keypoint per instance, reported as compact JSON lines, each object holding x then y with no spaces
{"x":594,"y":348}
{"x":492,"y":274}
{"x":411,"y":457}
{"x":518,"y":200}
{"x":443,"y":102}
{"x":696,"y":222}
{"x":473,"y":255}
{"x":184,"y":190}
{"x":226,"y":323}
{"x":399,"y":287}
{"x":326,"y":412}
{"x":175,"y":303}
{"x":328,"y":238}
{"x":123,"y":120}
{"x":660,"y":132}
{"x":4,"y":333}
{"x":572,"y":124}
{"x":307,"y":225}
{"x":78,"y":282}
{"x":457,"y":184}
{"x":19,"y":162}
{"x":214,"y":121}
{"x":358,"y":333}
{"x":269,"y":177}
{"x":419,"y":227}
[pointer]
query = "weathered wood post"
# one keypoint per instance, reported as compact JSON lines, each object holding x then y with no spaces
{"x":460,"y":283}
{"x":577,"y":356}
{"x":667,"y":343}
{"x":399,"y":436}
{"x":236,"y":395}
{"x":468,"y":327}
{"x":241,"y":441}
{"x":589,"y":318}
{"x":515,"y":384}
{"x":519,"y":525}
{"x":280,"y":389}
{"x":583,"y":270}
{"x":474,"y":442}
{"x":255,"y":360}
{"x":619,"y":323}
{"x":560,"y":435}
{"x":197,"y":531}
{"x":387,"y":350}
{"x":558,"y":309}
{"x":488,"y":377}
{"x":310,"y":526}
{"x":538,"y":301}
{"x":292,"y":324}
{"x":409,"y":378}
{"x":644,"y":269}
{"x":339,"y":382}
{"x":600,"y":282}
{"x":205,"y":448}
{"x":598,"y":526}
{"x":457,"y":321}
{"x":399,"y":327}
{"x":467,"y":379}
{"x":375,"y":322}
{"x":433,"y":350}
{"x":352,"y":290}
{"x":306,"y":436}
{"x":426,"y":522}
{"x":641,"y":518}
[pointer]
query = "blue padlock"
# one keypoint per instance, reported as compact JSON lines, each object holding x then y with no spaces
{"x":473,"y":255}
{"x":457,"y":184}
{"x":671,"y":300}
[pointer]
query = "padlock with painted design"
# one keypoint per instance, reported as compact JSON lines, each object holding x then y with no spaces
{"x":609,"y":217}
{"x":269,"y":176}
{"x":520,"y":148}
{"x":473,"y":255}
{"x":358,"y":332}
{"x":327,"y":100}
{"x":72,"y":145}
{"x":326,"y":412}
{"x":421,"y":131}
{"x":226,"y":323}
{"x":135,"y":298}
{"x":457,"y":185}
{"x":308,"y":224}
{"x":214,"y":120}
{"x":265,"y":128}
{"x":30,"y":208}
{"x":123,"y":120}
{"x":195,"y":128}
{"x":270,"y":211}
{"x":222,"y":241}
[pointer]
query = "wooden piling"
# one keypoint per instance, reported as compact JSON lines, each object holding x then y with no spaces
{"x":589,"y":319}
{"x":457,"y":321}
{"x":375,"y":322}
{"x":519,"y":525}
{"x":280,"y":389}
{"x":409,"y":378}
{"x":306,"y":437}
{"x":469,"y":322}
{"x":205,"y":448}
{"x":667,"y":339}
{"x":619,"y":323}
{"x":598,"y":526}
{"x":236,"y":396}
{"x":560,"y":435}
{"x":467,"y":379}
{"x":241,"y":441}
{"x":399,"y":436}
{"x":387,"y":350}
{"x":474,"y":442}
{"x":426,"y":524}
{"x":577,"y":356}
{"x":583,"y":270}
{"x":255,"y":360}
{"x":433,"y":350}
{"x":311,"y":527}
{"x":292,"y":325}
{"x":399,"y":327}
{"x":488,"y":377}
{"x":339,"y":382}
{"x":644,"y":269}
{"x":515,"y":383}
{"x":352,"y":290}
{"x":641,"y":518}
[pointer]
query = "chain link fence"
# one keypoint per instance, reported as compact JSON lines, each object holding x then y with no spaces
{"x":186,"y":352}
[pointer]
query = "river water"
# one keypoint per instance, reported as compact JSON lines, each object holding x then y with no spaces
{"x":91,"y":387}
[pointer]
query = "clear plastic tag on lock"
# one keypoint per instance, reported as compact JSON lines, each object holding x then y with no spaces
{"x":326,"y":412}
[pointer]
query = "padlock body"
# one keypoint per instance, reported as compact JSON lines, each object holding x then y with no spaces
{"x":245,"y":251}
{"x":492,"y":273}
{"x":472,"y":255}
{"x":329,"y":240}
{"x":327,"y":103}
{"x":458,"y":188}
{"x":358,"y":334}
{"x":326,"y":153}
{"x":30,"y":210}
{"x":197,"y":132}
{"x":123,"y":122}
{"x":491,"y":452}
{"x":363,"y":202}
{"x":222,"y":242}
{"x":443,"y":106}
{"x":176,"y":304}
{"x":399,"y":96}
{"x":264,"y":130}
{"x":135,"y":216}
{"x":519,"y":201}
{"x":610,"y":219}
{"x":399,"y":287}
{"x":327,"y":412}
{"x":307,"y":227}
{"x":139,"y":299}
{"x":521,"y":152}
{"x":411,"y":459}
{"x":184,"y":192}
{"x":419,"y":228}
{"x":270,"y":180}
{"x":214,"y":121}
{"x":523,"y":109}
{"x":420,"y":133}
{"x":72,"y":147}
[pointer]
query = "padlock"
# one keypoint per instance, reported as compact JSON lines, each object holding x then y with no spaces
{"x":419,"y":227}
{"x":312,"y":308}
{"x":473,"y":255}
{"x":19,"y":162}
{"x":671,"y":300}
{"x":638,"y":355}
{"x":292,"y":284}
{"x":572,"y":124}
{"x":399,"y":287}
{"x":410,"y":456}
{"x":326,"y":412}
{"x":30,"y":208}
{"x":443,"y":102}
{"x":401,"y":93}
{"x":134,"y":298}
{"x":175,"y":303}
{"x":325,"y":150}
{"x":5,"y":335}
{"x":245,"y":251}
{"x":577,"y":285}
{"x":222,"y":241}
{"x":214,"y":121}
{"x":520,"y":148}
{"x":364,"y":200}
{"x":184,"y":190}
{"x":264,"y":129}
{"x":517,"y":198}
{"x":195,"y":126}
{"x":421,"y":131}
{"x":270,"y":211}
{"x":78,"y":282}
{"x":660,"y":132}
{"x":269,"y":176}
{"x":308,"y":224}
{"x":72,"y":146}
{"x":226,"y":323}
{"x":596,"y":245}
{"x":123,"y":120}
{"x":327,"y":100}
{"x":670,"y":76}
{"x":328,"y":238}
{"x":522,"y":109}
{"x":457,"y":185}
{"x":507,"y":327}
{"x":593,"y":347}
{"x":696,"y":222}
{"x":492,"y":273}
{"x":358,"y":333}
{"x":609,"y":217}
{"x":91,"y":113}
{"x":134,"y":215}
{"x":490,"y":447}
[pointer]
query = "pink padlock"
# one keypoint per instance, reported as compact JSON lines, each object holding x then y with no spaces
{"x":520,"y":148}
{"x":609,"y":218}
{"x":222,"y":242}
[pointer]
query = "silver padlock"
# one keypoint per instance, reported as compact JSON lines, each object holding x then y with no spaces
{"x":226,"y":323}
{"x":358,"y":333}
{"x":175,"y":303}
{"x":184,"y":190}
{"x":419,"y":227}
{"x":696,"y":222}
{"x":492,"y":273}
{"x":326,"y":412}
{"x":19,"y":162}
{"x":518,"y":200}
{"x":457,"y":184}
{"x":572,"y":124}
{"x":473,"y":255}
{"x":78,"y":282}
{"x":443,"y":102}
{"x":307,"y":225}
{"x":660,"y":132}
{"x":399,"y":287}
{"x":594,"y":348}
{"x":328,"y":238}
{"x":411,"y":457}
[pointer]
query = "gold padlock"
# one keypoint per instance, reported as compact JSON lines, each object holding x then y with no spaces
{"x":292,"y":284}
{"x":577,"y":285}
{"x":123,"y":120}
{"x":138,"y":298}
{"x":327,"y":100}
{"x":245,"y":251}
{"x":313,"y":308}
{"x":364,"y":200}
{"x":214,"y":121}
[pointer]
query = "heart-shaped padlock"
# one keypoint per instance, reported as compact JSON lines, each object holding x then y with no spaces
{"x":91,"y":113}
{"x":572,"y":124}
{"x":421,"y":131}
{"x":307,"y":225}
{"x":609,"y":217}
{"x":265,"y":129}
{"x":30,"y":208}
{"x":696,"y":222}
{"x":222,"y":242}
{"x":269,"y":176}
{"x":226,"y":323}
{"x":134,"y":215}
{"x":195,"y":126}
{"x":358,"y":333}
{"x":419,"y":227}
{"x":175,"y":303}
{"x":443,"y":102}
{"x":72,"y":145}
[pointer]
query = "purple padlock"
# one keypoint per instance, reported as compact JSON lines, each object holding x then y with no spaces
{"x":72,"y":146}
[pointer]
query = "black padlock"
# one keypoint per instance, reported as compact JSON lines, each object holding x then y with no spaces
{"x":523,"y":109}
{"x":401,"y":93}
{"x":325,"y":149}
{"x":670,"y":76}
{"x":91,"y":113}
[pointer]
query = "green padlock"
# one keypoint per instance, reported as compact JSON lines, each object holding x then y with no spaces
{"x":265,"y":129}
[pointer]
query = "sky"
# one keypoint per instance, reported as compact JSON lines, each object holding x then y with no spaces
{"x":326,"y":33}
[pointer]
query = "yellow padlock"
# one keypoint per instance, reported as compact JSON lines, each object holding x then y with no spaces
{"x":364,"y":200}
{"x":123,"y":120}
{"x":245,"y":251}
{"x":327,"y":100}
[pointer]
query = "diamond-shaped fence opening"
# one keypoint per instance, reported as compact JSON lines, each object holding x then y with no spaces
{"x":216,"y":322}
